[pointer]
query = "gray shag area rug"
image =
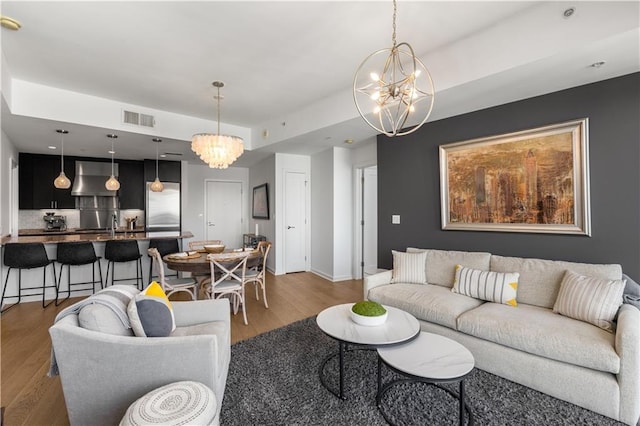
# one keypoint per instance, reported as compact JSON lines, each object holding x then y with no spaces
{"x":273,"y":380}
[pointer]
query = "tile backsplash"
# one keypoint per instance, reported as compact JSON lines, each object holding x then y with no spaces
{"x":32,"y":219}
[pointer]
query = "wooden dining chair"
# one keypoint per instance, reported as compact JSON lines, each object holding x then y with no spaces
{"x":257,"y":273}
{"x":172,"y":285}
{"x":227,"y":279}
{"x":199,"y":245}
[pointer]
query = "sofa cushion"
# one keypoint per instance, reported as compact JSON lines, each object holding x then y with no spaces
{"x":426,"y":302}
{"x":218,"y":328}
{"x":540,"y":331}
{"x":499,"y":287}
{"x":589,"y":299}
{"x":408,"y":267}
{"x":440,"y":265}
{"x":540,"y":279}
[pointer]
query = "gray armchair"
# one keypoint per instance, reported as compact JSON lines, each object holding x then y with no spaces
{"x":102,"y":374}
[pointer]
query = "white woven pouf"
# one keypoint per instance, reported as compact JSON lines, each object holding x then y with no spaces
{"x":180,"y":403}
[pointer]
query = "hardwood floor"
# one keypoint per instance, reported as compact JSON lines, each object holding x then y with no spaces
{"x":32,"y":398}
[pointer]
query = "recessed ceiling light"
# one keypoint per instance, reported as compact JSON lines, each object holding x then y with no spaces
{"x":349,"y":141}
{"x":9,"y":23}
{"x":569,"y":12}
{"x":111,"y":152}
{"x":597,"y":64}
{"x":51,"y":147}
{"x":163,"y":155}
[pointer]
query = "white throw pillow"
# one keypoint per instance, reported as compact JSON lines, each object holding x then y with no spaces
{"x":589,"y":299}
{"x":498,"y":287}
{"x":409,"y":267}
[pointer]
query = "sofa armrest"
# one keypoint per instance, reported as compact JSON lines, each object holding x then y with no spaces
{"x":628,"y":348}
{"x":376,"y":280}
{"x":201,"y":311}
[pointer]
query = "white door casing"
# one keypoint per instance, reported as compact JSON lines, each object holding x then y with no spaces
{"x":370,"y":216}
{"x":295,"y":232}
{"x":223,"y":212}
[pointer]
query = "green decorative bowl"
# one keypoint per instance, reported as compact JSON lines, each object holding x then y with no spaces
{"x":368,"y":313}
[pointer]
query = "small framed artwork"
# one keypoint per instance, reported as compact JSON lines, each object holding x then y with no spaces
{"x":535,"y":180}
{"x":260,"y":209}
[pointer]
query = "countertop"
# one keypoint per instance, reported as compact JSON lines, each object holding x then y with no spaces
{"x":63,"y":237}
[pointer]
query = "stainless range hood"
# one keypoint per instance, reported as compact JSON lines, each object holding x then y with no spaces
{"x":91,"y":177}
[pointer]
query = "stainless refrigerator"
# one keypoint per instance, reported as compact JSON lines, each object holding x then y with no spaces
{"x":162,"y":209}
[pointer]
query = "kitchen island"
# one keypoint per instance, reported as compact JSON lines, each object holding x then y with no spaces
{"x":98,"y":238}
{"x":93,"y":236}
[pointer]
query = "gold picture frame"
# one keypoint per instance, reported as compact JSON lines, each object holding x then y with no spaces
{"x":534,"y":180}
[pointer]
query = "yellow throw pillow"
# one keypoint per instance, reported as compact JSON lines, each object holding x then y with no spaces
{"x":498,"y":287}
{"x":151,"y":313}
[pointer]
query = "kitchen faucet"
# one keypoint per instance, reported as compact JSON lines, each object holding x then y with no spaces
{"x":114,"y":225}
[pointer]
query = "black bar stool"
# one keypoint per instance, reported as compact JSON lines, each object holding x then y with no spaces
{"x":78,"y":254}
{"x":164,"y":246}
{"x":27,"y":256}
{"x":120,"y":251}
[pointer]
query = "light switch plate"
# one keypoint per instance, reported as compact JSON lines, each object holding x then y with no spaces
{"x":395,"y":219}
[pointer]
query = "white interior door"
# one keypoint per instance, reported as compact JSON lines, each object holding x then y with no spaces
{"x":370,"y":217}
{"x":295,"y":234}
{"x":223,"y":217}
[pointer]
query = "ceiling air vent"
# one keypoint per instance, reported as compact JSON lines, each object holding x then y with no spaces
{"x":138,"y":119}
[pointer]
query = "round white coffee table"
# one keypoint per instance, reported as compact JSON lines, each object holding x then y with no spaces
{"x":336,"y":322}
{"x":431,"y":359}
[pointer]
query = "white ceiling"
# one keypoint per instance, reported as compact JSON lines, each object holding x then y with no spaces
{"x":293,"y":62}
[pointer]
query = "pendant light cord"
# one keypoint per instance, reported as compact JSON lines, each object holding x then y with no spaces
{"x":395,"y":13}
{"x":62,"y":154}
{"x":157,"y":160}
{"x":218,"y":98}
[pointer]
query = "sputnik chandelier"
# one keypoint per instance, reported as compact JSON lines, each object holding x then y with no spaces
{"x":218,"y":151}
{"x":392,"y":88}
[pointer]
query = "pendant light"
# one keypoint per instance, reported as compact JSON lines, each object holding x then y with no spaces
{"x":62,"y":181}
{"x":157,"y":186}
{"x":392,"y":88}
{"x":218,"y":151}
{"x":112,"y":183}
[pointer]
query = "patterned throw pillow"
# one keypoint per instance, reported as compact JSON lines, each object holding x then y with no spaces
{"x":498,"y":287}
{"x":151,"y":313}
{"x":589,"y":299}
{"x":409,"y":267}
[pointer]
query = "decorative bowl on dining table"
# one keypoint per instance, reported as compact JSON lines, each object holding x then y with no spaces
{"x":214,"y":248}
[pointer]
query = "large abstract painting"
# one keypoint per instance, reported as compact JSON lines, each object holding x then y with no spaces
{"x":530,"y":181}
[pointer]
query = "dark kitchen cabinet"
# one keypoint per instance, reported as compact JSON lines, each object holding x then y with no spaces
{"x":36,"y":175}
{"x":132,"y":184}
{"x":168,"y":171}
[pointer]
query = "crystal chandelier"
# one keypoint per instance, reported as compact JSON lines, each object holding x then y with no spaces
{"x":156,"y":186}
{"x":112,"y":183}
{"x":62,"y":181}
{"x":395,"y":87}
{"x":218,"y":151}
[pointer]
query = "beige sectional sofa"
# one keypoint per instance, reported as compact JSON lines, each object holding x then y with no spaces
{"x":530,"y":344}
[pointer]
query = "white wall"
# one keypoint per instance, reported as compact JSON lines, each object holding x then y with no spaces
{"x":193,"y":195}
{"x":332,"y":214}
{"x":289,"y":163}
{"x":8,"y":154}
{"x":342,"y":214}
{"x":322,"y":214}
{"x":264,"y":172}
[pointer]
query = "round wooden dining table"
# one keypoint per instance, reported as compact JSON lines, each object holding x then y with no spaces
{"x":197,"y":263}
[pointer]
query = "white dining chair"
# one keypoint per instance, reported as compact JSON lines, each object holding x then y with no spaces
{"x":257,"y":273}
{"x":172,"y":285}
{"x":227,"y":279}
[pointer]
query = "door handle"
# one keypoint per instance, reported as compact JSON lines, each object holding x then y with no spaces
{"x":289,"y":227}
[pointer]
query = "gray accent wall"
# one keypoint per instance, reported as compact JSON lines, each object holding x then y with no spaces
{"x":409,"y":178}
